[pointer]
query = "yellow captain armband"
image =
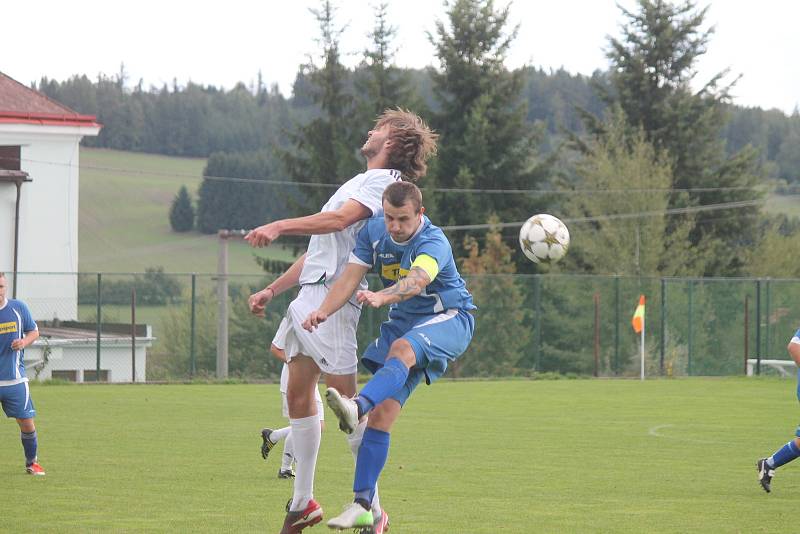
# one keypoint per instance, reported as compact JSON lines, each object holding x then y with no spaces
{"x":427,"y":264}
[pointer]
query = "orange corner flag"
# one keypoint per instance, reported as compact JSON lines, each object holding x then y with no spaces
{"x":638,"y":316}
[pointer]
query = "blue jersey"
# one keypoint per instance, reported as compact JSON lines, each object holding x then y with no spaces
{"x":392,"y":261}
{"x":15,"y":322}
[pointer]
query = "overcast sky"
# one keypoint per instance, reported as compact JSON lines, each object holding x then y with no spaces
{"x":223,"y":43}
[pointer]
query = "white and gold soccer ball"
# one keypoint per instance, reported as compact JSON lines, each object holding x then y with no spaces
{"x":544,"y":238}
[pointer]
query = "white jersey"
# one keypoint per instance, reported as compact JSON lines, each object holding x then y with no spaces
{"x":327,"y":254}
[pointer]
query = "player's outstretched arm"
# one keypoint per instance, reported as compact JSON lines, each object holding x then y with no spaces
{"x":406,"y":288}
{"x":339,"y":294}
{"x":325,"y":222}
{"x":258,"y":301}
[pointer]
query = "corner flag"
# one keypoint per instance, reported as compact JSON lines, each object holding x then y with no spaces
{"x":638,"y":316}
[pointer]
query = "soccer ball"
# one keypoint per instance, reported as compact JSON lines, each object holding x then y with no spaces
{"x":544,"y":239}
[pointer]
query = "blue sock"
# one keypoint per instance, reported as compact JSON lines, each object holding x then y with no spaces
{"x":784,"y":455}
{"x":372,"y":456}
{"x":30,"y":445}
{"x":386,"y":382}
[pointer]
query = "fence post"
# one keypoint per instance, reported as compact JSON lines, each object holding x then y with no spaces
{"x":758,"y":327}
{"x":746,"y":331}
{"x":133,"y":334}
{"x":616,"y":324}
{"x":767,"y":351}
{"x":192,"y":361}
{"x":689,"y":357}
{"x":537,"y":306}
{"x":663,"y":322}
{"x":222,"y":297}
{"x":97,"y":369}
{"x":596,"y":334}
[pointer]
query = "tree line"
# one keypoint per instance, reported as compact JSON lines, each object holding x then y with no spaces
{"x":500,"y":128}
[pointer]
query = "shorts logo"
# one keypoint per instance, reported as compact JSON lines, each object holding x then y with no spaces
{"x":323,"y":362}
{"x":8,"y":328}
{"x":423,"y":336}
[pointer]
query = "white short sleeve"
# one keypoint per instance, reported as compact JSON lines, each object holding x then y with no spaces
{"x":370,"y":194}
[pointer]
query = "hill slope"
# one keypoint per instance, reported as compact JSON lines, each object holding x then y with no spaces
{"x":124,"y":217}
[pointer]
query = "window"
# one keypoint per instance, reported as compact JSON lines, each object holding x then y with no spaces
{"x":71,"y":376}
{"x":10,"y":158}
{"x":89,"y":376}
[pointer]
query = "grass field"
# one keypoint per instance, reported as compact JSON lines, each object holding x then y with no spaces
{"x":124,"y":217}
{"x":467,"y":457}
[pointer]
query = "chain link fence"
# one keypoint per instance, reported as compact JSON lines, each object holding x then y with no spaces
{"x":161,"y":326}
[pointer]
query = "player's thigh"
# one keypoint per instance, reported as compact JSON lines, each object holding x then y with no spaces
{"x":17,"y":402}
{"x":344,"y":384}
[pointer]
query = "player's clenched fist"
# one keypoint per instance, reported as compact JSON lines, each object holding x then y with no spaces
{"x":370,"y":298}
{"x":258,"y":301}
{"x":314,"y":319}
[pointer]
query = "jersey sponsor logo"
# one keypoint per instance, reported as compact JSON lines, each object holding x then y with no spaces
{"x":8,"y":328}
{"x":386,"y":256}
{"x":393,"y":271}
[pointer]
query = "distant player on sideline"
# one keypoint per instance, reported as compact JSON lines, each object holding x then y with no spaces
{"x":17,"y":331}
{"x":272,"y":437}
{"x":429,"y":325}
{"x":399,"y":145}
{"x":790,"y":451}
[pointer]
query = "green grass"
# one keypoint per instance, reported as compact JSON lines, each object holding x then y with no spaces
{"x":467,"y":457}
{"x":124,"y":217}
{"x":785,"y":204}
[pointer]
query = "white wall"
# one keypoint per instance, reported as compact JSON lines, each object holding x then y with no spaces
{"x":48,"y":228}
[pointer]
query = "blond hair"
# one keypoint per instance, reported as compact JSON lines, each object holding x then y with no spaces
{"x":413,"y":142}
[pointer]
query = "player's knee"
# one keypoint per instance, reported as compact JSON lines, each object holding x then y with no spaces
{"x":402,"y":350}
{"x":384,"y":415}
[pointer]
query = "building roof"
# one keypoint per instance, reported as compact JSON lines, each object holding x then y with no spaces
{"x":22,"y":105}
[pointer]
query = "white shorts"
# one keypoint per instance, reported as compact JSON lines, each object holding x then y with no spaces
{"x":333,"y":345}
{"x":285,"y":402}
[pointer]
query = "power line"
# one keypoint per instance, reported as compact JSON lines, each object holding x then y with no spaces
{"x":331,"y":185}
{"x":617,"y":216}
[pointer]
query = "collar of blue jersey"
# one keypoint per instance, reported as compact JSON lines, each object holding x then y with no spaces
{"x":425,"y":222}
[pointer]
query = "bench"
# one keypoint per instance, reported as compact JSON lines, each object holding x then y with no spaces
{"x":784,"y":367}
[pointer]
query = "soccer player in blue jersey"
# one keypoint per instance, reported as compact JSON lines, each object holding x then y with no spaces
{"x":17,"y":331}
{"x":790,"y":451}
{"x":429,"y":325}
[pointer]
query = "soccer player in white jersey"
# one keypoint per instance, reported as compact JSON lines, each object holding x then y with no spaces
{"x":398,"y":146}
{"x":271,"y":437}
{"x":791,"y":451}
{"x":17,"y":331}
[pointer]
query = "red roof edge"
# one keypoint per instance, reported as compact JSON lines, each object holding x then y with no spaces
{"x":48,"y":119}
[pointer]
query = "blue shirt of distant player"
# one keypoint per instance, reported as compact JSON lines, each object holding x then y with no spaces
{"x":392,"y":261}
{"x":15,"y":322}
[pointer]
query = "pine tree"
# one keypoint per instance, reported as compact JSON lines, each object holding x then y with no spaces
{"x":485,"y":141}
{"x":379,"y":84}
{"x":325,"y":149}
{"x":181,"y":213}
{"x":652,"y":66}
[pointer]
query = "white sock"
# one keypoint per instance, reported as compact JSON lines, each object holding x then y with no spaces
{"x":288,"y":453}
{"x":279,"y":434}
{"x":354,"y":440}
{"x":306,"y":434}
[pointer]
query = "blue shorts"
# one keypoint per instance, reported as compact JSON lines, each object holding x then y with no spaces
{"x":436,"y":339}
{"x":16,"y":401}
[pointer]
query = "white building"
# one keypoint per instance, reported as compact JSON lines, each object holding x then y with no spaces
{"x":39,"y":164}
{"x":40,"y":137}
